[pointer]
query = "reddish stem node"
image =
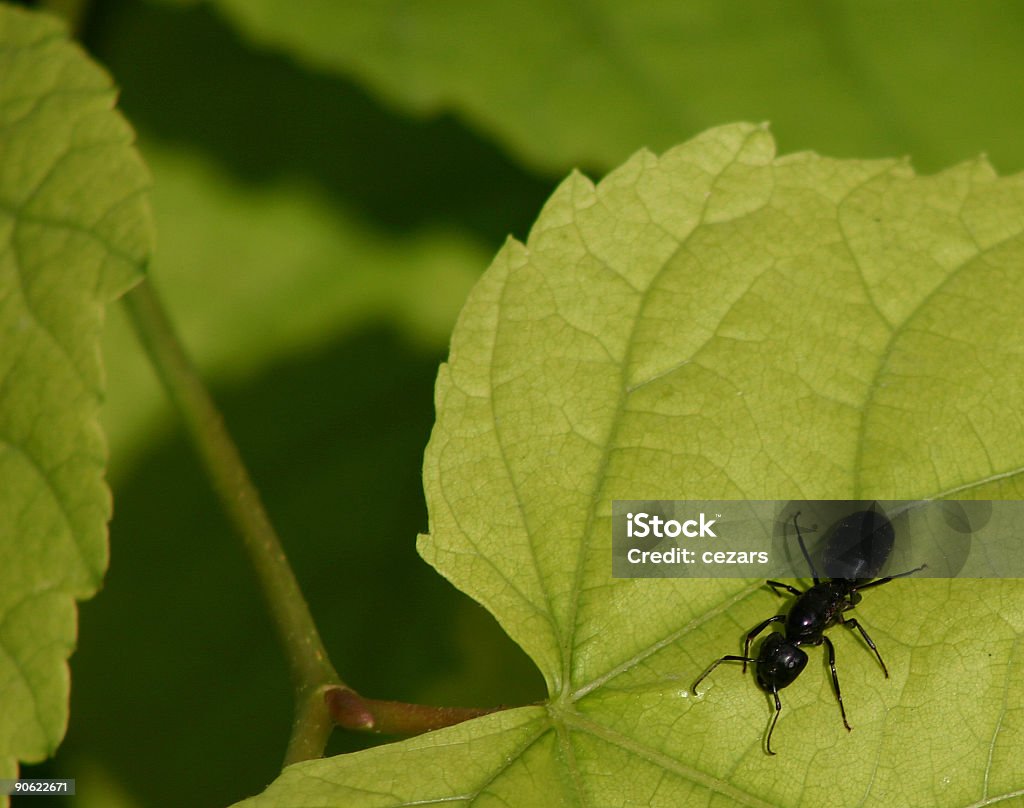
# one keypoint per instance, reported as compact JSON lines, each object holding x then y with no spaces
{"x":354,"y":712}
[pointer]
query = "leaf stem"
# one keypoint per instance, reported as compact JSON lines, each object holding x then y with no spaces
{"x":321,"y":699}
{"x":311,"y":669}
{"x":311,"y":727}
{"x":354,"y":712}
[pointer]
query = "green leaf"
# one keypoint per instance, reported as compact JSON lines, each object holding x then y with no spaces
{"x":74,"y":233}
{"x":719,"y":322}
{"x":589,"y":82}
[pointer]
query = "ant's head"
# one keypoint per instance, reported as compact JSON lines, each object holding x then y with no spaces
{"x":779,"y":663}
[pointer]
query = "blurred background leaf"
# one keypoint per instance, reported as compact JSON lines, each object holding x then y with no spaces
{"x":330,"y":178}
{"x":587,"y":83}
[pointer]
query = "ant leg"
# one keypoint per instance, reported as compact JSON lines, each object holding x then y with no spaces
{"x":852,"y":623}
{"x":886,"y":580}
{"x":779,"y":618}
{"x":775,"y":720}
{"x":835,"y":679}
{"x":728,"y":658}
{"x":803,"y":549}
{"x":776,"y":586}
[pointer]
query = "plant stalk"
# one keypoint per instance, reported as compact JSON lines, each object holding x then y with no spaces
{"x":310,"y":667}
{"x":322,"y":700}
{"x":353,"y":712}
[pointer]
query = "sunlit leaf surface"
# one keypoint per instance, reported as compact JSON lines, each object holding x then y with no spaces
{"x":719,"y":322}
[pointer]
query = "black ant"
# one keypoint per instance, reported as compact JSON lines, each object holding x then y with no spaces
{"x":781,"y":659}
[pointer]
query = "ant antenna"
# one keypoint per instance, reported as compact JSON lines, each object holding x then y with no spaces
{"x":803,"y":549}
